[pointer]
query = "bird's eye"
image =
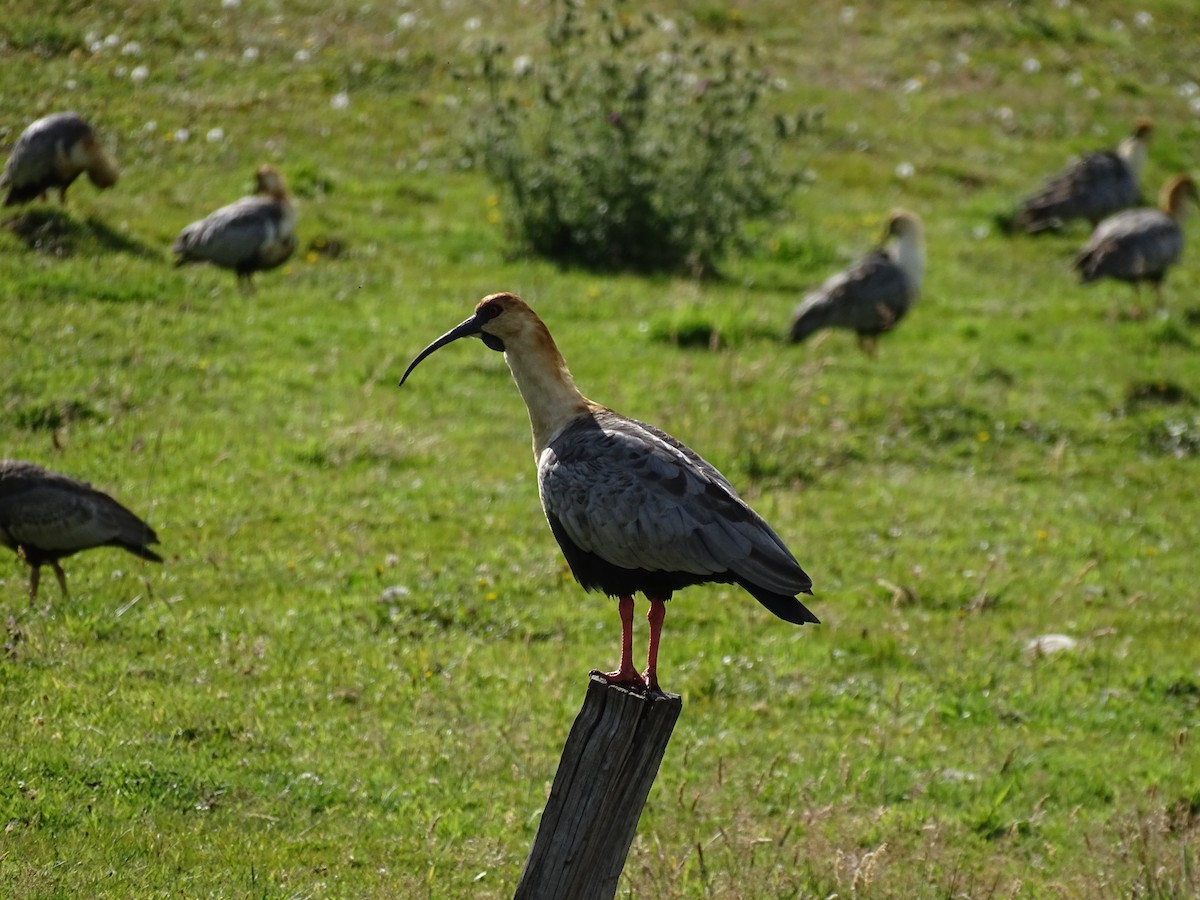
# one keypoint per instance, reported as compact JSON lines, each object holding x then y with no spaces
{"x":488,"y":311}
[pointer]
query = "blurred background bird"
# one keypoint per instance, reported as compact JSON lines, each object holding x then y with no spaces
{"x":632,"y":508}
{"x":1091,"y":187}
{"x":45,"y":517}
{"x":52,"y":153}
{"x":250,"y":235}
{"x":875,"y":293}
{"x":1141,"y":244}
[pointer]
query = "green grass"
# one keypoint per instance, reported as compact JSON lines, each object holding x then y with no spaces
{"x":354,"y":673}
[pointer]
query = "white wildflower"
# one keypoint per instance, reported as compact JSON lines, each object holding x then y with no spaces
{"x":340,"y":100}
{"x":1050,"y":643}
{"x":522,"y":65}
{"x":905,"y":170}
{"x":139,"y":74}
{"x":912,"y":86}
{"x":473,"y":23}
{"x":1143,"y":19}
{"x":250,"y":54}
{"x":302,"y":56}
{"x":215,"y":135}
{"x":131,"y":48}
{"x":1031,"y":66}
{"x":182,"y":135}
{"x":846,"y":16}
{"x":407,"y":20}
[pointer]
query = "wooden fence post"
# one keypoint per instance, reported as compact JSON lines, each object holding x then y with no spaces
{"x":608,"y":765}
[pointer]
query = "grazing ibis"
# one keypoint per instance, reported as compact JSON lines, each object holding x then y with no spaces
{"x":632,"y":508}
{"x":52,"y":153}
{"x":45,"y":517}
{"x":250,"y":235}
{"x":1091,"y":187}
{"x":873,"y":294}
{"x":1138,"y":245}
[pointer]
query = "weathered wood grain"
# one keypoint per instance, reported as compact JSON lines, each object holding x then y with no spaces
{"x":608,"y":765}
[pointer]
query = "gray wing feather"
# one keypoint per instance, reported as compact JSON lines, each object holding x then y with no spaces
{"x":1131,"y":244}
{"x":640,"y":499}
{"x":870,"y":297}
{"x":50,"y":511}
{"x":234,"y":234}
{"x":32,"y":165}
{"x":1095,"y":186}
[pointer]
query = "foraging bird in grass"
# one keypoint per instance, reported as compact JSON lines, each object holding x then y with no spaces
{"x":250,"y":235}
{"x":1139,"y":245}
{"x":45,"y":517}
{"x":52,"y":153}
{"x":1093,"y":186}
{"x":632,"y":508}
{"x":874,"y":294}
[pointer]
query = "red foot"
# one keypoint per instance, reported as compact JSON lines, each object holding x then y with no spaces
{"x":624,"y":678}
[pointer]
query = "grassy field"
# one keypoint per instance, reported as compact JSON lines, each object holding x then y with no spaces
{"x":353,"y":675}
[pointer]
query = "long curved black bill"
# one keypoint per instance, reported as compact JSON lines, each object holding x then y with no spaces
{"x":470,"y":328}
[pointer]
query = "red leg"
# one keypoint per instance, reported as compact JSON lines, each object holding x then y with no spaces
{"x":626,"y":675}
{"x":658,"y":612}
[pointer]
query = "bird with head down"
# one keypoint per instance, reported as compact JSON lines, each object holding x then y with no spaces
{"x":46,"y":516}
{"x":50,"y":154}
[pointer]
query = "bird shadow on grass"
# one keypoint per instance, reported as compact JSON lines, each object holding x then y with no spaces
{"x":55,"y":232}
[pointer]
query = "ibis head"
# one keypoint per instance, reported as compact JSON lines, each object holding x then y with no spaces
{"x":505,"y":323}
{"x":474,"y":327}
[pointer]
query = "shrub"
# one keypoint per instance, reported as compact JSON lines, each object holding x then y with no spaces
{"x":629,"y":144}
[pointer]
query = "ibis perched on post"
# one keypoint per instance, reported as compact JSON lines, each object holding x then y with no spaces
{"x":874,"y":294}
{"x":1091,"y":187}
{"x":1138,"y":245}
{"x":45,"y":517}
{"x":51,"y":153}
{"x":632,"y":508}
{"x":250,"y":235}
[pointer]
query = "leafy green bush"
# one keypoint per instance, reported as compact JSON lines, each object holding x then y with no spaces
{"x":630,"y":145}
